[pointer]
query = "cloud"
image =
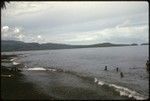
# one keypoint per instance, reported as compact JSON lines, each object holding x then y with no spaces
{"x":20,"y":37}
{"x":39,"y":37}
{"x":55,"y":14}
{"x":117,"y":35}
{"x":16,"y":30}
{"x":76,"y":22}
{"x":5,"y":28}
{"x":11,"y":33}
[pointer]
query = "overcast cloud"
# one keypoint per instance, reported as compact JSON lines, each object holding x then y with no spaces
{"x":76,"y":22}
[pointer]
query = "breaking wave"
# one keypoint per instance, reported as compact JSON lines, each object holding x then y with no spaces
{"x":40,"y":69}
{"x":15,"y":63}
{"x":13,"y":59}
{"x":123,"y":91}
{"x":36,"y":68}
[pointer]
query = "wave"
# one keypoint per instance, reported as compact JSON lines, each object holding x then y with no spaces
{"x":13,"y":59}
{"x":53,"y":70}
{"x":40,"y":69}
{"x":36,"y":68}
{"x":98,"y":82}
{"x":123,"y":91}
{"x":15,"y":63}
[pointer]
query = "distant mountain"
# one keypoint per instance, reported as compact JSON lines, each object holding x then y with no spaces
{"x":145,"y":44}
{"x":134,"y":44}
{"x":7,"y":45}
{"x":11,"y":45}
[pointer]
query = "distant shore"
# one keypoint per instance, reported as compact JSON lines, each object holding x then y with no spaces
{"x":15,"y":87}
{"x":12,"y":45}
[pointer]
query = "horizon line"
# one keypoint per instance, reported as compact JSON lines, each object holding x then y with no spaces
{"x":78,"y":44}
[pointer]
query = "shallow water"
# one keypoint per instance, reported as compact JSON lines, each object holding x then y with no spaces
{"x":79,"y":73}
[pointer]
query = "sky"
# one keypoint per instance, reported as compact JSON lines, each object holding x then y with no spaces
{"x":77,"y":23}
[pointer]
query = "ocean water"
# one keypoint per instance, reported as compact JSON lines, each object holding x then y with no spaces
{"x":79,"y":73}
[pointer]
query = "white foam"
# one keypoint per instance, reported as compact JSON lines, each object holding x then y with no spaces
{"x":41,"y":69}
{"x":53,"y":70}
{"x":36,"y":68}
{"x":122,"y":90}
{"x":127,"y":92}
{"x":100,"y":83}
{"x":95,"y":80}
{"x":13,"y":59}
{"x":15,"y":63}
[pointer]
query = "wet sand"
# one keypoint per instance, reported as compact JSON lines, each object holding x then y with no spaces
{"x":14,"y":86}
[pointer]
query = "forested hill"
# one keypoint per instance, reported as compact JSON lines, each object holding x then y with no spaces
{"x":11,"y":45}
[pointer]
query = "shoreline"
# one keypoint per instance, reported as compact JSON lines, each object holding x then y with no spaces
{"x":14,"y":86}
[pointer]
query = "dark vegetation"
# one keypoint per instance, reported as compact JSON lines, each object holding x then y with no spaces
{"x":145,"y":44}
{"x":3,"y":4}
{"x":10,"y":45}
{"x":134,"y":44}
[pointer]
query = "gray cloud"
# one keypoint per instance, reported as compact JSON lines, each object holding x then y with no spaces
{"x":78,"y":22}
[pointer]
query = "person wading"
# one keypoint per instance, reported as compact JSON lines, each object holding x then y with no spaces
{"x":105,"y":68}
{"x":121,"y":74}
{"x":117,"y":69}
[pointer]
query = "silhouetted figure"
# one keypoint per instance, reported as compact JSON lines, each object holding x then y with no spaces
{"x":105,"y":68}
{"x":147,"y":65}
{"x":117,"y":69}
{"x":121,"y":74}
